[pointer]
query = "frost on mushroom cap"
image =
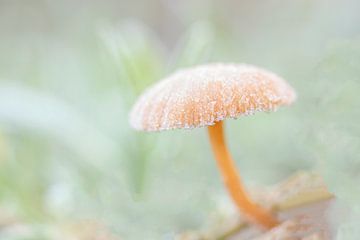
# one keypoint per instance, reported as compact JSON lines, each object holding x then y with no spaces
{"x":205,"y":94}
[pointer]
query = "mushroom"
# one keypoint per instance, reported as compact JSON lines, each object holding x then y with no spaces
{"x":206,"y":95}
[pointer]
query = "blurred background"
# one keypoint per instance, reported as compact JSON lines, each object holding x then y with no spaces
{"x":72,"y":168}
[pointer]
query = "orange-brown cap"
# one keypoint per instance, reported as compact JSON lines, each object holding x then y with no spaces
{"x":203,"y":95}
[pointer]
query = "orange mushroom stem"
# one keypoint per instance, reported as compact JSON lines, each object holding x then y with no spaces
{"x":233,"y":182}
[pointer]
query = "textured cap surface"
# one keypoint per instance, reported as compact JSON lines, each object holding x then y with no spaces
{"x":203,"y":95}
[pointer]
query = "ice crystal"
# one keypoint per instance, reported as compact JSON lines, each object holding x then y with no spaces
{"x":206,"y":94}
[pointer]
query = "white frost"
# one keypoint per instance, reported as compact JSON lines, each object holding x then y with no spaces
{"x":206,"y":94}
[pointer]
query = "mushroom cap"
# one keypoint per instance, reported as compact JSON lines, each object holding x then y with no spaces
{"x":205,"y":94}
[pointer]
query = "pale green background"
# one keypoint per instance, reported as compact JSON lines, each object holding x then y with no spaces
{"x":70,"y":71}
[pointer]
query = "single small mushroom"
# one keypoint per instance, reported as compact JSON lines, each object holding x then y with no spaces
{"x":206,"y":95}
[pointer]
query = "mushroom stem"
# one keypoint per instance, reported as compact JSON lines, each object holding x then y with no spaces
{"x":233,"y":182}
